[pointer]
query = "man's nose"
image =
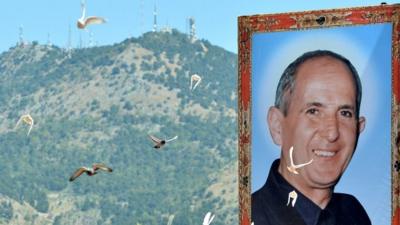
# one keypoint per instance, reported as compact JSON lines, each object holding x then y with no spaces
{"x":330,"y":129}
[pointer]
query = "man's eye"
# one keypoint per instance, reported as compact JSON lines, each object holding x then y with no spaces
{"x":346,"y":114}
{"x":312,"y":111}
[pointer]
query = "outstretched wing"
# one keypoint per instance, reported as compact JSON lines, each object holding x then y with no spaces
{"x":292,"y":165}
{"x":208,"y":218}
{"x":30,"y":127}
{"x":94,"y":20}
{"x":291,"y":156}
{"x":77,"y":173}
{"x":197,"y":79}
{"x":19,"y":121}
{"x":171,"y":139}
{"x":154,"y":139}
{"x":170,"y":219}
{"x":303,"y":164}
{"x":101,"y":166}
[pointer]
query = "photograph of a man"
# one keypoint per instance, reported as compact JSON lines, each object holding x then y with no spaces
{"x":316,"y":113}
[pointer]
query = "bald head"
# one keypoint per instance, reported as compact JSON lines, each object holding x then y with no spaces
{"x":287,"y":81}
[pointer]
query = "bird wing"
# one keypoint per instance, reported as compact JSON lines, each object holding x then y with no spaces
{"x":101,"y":166}
{"x":154,"y":139}
{"x":30,"y":128}
{"x":20,"y":119}
{"x":94,"y":20}
{"x":77,"y":173}
{"x":83,"y":7}
{"x":196,"y":78}
{"x":208,"y":218}
{"x":211,"y":219}
{"x":170,"y":219}
{"x":197,"y":83}
{"x":31,"y":125}
{"x":291,"y":156}
{"x":303,"y":164}
{"x":294,"y":196}
{"x":171,"y":139}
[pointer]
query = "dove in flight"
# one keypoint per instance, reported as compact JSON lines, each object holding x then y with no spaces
{"x":83,"y":22}
{"x":90,"y":171}
{"x":292,"y":195}
{"x":292,"y":168}
{"x":196,"y":79}
{"x":26,"y":119}
{"x":160,"y":142}
{"x":208,"y":219}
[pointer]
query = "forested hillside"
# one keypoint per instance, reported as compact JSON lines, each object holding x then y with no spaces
{"x":98,"y":105}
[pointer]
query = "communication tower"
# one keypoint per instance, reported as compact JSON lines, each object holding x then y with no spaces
{"x":155,"y":18}
{"x":192,"y":29}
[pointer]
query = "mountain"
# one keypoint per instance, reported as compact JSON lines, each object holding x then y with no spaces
{"x":99,"y":104}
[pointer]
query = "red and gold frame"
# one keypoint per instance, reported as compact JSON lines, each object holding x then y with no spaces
{"x":248,"y":25}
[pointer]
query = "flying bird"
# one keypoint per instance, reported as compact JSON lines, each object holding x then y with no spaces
{"x":208,"y":219}
{"x":90,"y":171}
{"x":196,"y":79}
{"x":292,"y":195}
{"x":170,"y":219}
{"x":160,"y":142}
{"x":83,"y":22}
{"x":292,"y":168}
{"x":26,"y":119}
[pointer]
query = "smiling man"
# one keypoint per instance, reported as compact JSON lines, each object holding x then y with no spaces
{"x":317,"y":113}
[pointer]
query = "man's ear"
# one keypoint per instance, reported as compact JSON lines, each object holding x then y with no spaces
{"x":275,"y":119}
{"x":361,"y":124}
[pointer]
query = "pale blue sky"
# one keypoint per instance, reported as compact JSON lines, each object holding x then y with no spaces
{"x":216,"y":21}
{"x":368,"y":47}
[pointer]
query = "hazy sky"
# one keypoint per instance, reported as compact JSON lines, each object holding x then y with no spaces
{"x":216,"y":21}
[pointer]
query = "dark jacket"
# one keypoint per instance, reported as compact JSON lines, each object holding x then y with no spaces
{"x":269,"y":206}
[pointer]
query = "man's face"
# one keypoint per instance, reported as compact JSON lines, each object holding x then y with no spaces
{"x":320,"y":123}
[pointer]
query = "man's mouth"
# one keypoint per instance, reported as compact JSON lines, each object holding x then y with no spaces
{"x":322,"y":153}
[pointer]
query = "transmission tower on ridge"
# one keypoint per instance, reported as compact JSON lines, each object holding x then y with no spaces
{"x":192,"y":29}
{"x":155,"y":18}
{"x":69,"y":43}
{"x":21,"y":41}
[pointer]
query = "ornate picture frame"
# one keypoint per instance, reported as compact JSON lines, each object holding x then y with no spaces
{"x":253,"y":32}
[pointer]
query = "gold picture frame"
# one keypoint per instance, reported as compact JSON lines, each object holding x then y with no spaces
{"x":295,"y":22}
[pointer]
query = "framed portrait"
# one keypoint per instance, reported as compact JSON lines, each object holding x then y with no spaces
{"x":271,"y":46}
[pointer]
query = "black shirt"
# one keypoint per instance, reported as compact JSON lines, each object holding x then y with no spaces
{"x":269,"y":206}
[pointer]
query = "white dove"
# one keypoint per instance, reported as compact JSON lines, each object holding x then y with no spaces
{"x":26,"y":119}
{"x":170,"y":219}
{"x":208,"y":219}
{"x":160,"y":142}
{"x":292,"y":168}
{"x":292,"y":195}
{"x":194,"y":78}
{"x":83,"y":22}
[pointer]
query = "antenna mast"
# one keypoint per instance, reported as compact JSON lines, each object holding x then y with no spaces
{"x":192,"y":29}
{"x":21,"y":41}
{"x":155,"y":18}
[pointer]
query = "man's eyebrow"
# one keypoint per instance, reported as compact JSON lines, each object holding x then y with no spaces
{"x":316,"y":104}
{"x":346,"y":107}
{"x":319,"y":104}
